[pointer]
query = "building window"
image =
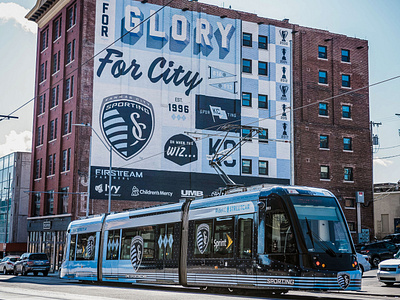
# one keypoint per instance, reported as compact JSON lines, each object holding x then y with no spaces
{"x":69,"y":87}
{"x":324,"y":142}
{"x":70,"y":121}
{"x":38,"y":169}
{"x":247,"y":39}
{"x":66,"y":160}
{"x":69,"y":159}
{"x":42,"y":104}
{"x":263,"y":101}
{"x":322,"y":53}
{"x":349,"y":202}
{"x":262,"y":42}
{"x":53,"y":129}
{"x":36,"y":201}
{"x":345,"y":55}
{"x":64,"y":163}
{"x":70,"y":51}
{"x":348,"y":174}
{"x":246,"y":166}
{"x":263,"y":167}
{"x":246,"y":134}
{"x":57,"y":29}
{"x":323,"y":77}
{"x":263,"y":136}
{"x":324,"y":172}
{"x":71,"y":15}
{"x":346,"y":111}
{"x":44,"y":39}
{"x":347,"y":144}
{"x":50,"y":202}
{"x":54,"y":96}
{"x":63,"y":200}
{"x":246,"y":99}
{"x":262,"y":68}
{"x":323,"y":109}
{"x":56,"y":62}
{"x":43,"y":72}
{"x":352,"y":226}
{"x":67,"y":123}
{"x":50,"y":165}
{"x":246,"y":66}
{"x":39,"y":139}
{"x":345,"y":80}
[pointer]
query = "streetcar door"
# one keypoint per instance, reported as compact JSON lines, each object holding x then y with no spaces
{"x":137,"y":257}
{"x":86,"y":255}
{"x":245,"y":251}
{"x":211,"y":252}
{"x":278,"y":253}
{"x":110,"y":259}
{"x":168,"y":249}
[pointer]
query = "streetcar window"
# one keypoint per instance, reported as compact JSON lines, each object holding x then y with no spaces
{"x":165,"y":241}
{"x":223,"y":238}
{"x":113,"y":245}
{"x":203,"y":231}
{"x":72,"y":248}
{"x":323,"y":226}
{"x":86,"y":246}
{"x":245,"y":235}
{"x":279,"y":236}
{"x":147,"y":234}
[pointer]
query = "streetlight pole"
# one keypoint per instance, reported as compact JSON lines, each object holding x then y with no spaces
{"x":110,"y":167}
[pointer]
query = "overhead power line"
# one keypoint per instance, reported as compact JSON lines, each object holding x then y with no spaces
{"x":88,"y":60}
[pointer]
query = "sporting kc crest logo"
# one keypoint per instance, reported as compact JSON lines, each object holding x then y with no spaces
{"x":127,"y":123}
{"x":136,"y":252}
{"x":343,"y":280}
{"x":203,"y":233}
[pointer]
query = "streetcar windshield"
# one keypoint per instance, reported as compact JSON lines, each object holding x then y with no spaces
{"x":323,"y":226}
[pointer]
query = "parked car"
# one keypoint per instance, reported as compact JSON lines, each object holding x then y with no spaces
{"x":363,"y":261}
{"x":32,"y":262}
{"x":7,"y":264}
{"x":389,"y":270}
{"x":394,"y":238}
{"x":379,"y":251}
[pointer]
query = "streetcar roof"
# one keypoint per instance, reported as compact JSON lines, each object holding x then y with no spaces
{"x":241,"y":195}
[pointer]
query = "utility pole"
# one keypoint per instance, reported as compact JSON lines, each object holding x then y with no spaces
{"x":375,"y":138}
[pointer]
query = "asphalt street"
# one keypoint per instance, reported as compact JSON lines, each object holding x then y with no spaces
{"x":51,"y":287}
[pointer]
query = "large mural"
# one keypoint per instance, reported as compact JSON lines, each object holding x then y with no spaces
{"x":167,"y":82}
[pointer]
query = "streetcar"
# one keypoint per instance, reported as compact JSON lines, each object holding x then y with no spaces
{"x":278,"y":238}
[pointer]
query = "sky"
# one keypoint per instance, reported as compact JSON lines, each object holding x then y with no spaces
{"x":375,"y":21}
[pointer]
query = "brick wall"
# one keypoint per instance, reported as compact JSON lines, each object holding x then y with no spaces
{"x":309,"y":125}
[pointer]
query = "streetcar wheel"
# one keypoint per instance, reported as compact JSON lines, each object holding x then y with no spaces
{"x":230,"y":290}
{"x":204,"y":288}
{"x":35,"y":273}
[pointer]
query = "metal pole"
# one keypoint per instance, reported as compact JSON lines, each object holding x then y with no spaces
{"x":88,"y":186}
{"x":8,"y":203}
{"x":109,"y":182}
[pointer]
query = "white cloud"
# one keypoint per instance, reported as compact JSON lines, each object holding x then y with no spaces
{"x":16,"y":142}
{"x":16,"y":13}
{"x":383,"y":162}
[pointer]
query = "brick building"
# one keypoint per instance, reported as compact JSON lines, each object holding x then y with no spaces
{"x":298,"y":67}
